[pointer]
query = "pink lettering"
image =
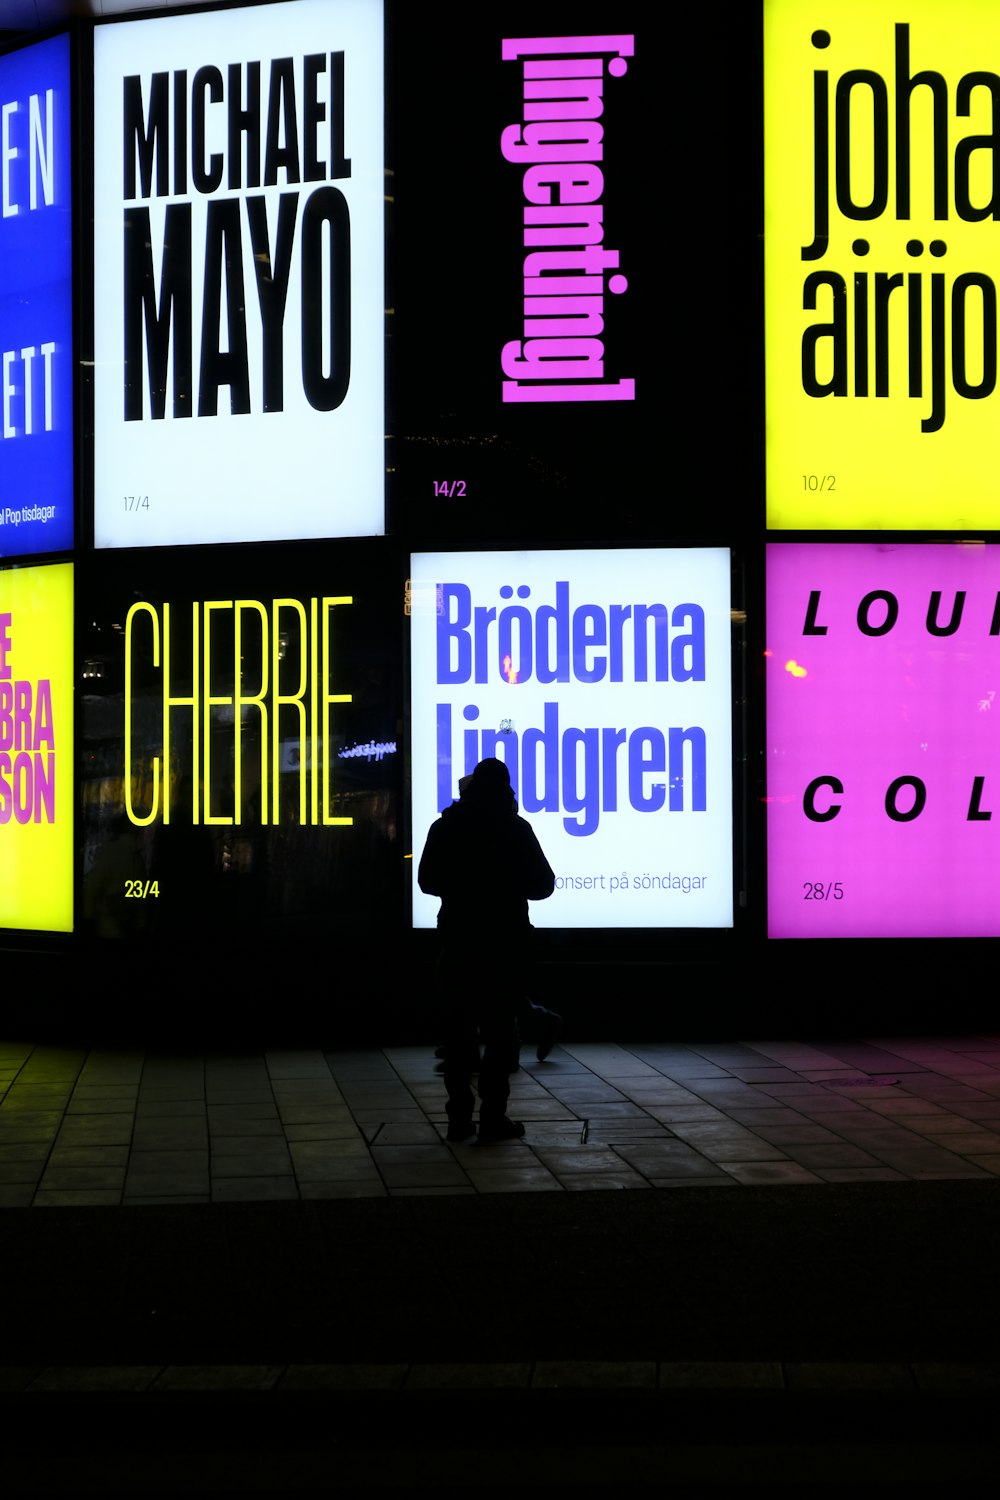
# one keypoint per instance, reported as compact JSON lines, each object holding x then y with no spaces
{"x":561,"y":354}
{"x":623,"y":390}
{"x":529,"y":46}
{"x":26,"y":717}
{"x":28,"y":788}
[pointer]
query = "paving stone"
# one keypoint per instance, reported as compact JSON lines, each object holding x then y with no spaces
{"x":593,"y":1375}
{"x":66,"y":1378}
{"x":846,"y":1375}
{"x":721,"y":1375}
{"x":218,"y":1377}
{"x":469,"y":1377}
{"x":253,"y":1189}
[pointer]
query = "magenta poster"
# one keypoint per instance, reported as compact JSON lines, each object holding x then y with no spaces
{"x":883,"y":733}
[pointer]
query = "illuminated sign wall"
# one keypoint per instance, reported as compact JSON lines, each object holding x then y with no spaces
{"x":238,"y":297}
{"x":36,"y":327}
{"x":237,"y":730}
{"x":881,"y":289}
{"x":36,"y":748}
{"x":883,"y":727}
{"x":602,"y":680}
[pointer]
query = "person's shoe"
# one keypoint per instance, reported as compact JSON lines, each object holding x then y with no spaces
{"x":500,"y":1130}
{"x":461,"y":1131}
{"x":549,"y":1036}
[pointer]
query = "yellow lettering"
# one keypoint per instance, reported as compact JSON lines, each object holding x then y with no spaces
{"x":211,"y":701}
{"x":133,"y":816}
{"x":192,"y":703}
{"x":256,"y":700}
{"x":328,"y":698}
{"x":295,"y":660}
{"x":290,"y":700}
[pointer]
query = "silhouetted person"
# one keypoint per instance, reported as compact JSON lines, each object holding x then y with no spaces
{"x":485,"y":863}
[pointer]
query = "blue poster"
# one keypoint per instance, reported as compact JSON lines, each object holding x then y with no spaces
{"x":36,"y":330}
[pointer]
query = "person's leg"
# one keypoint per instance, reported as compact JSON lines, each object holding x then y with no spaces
{"x":546,"y":1027}
{"x":460,"y":1048}
{"x":458,"y":1068}
{"x":500,"y":1042}
{"x":540,"y":1025}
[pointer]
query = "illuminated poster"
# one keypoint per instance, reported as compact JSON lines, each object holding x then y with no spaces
{"x":36,"y":748}
{"x":530,"y":372}
{"x":240,"y":748}
{"x":881,"y":289}
{"x":238,"y":296}
{"x":883,"y":730}
{"x":36,"y":314}
{"x":602,"y":680}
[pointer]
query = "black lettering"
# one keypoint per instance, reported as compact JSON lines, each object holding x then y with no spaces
{"x":245,"y":122}
{"x":810,"y":627}
{"x":326,"y":206}
{"x":935,"y":421}
{"x":976,"y":814}
{"x":313,"y":115}
{"x":835,"y":330}
{"x":340,"y":165}
{"x":809,"y":802}
{"x":180,"y":132}
{"x":891,"y":612}
{"x":919,"y":798}
{"x":964,"y":149}
{"x":988,"y":383}
{"x":281,"y":104}
{"x":904,"y":88}
{"x":272,"y":288}
{"x":916,"y":337}
{"x":884,"y":286}
{"x":861,"y":333}
{"x":934,"y":606}
{"x":143,"y":138}
{"x":208,"y":177}
{"x":141,"y":308}
{"x":880,"y":157}
{"x":224,"y":241}
{"x":821,"y":179}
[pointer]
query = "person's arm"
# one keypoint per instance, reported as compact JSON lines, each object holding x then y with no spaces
{"x":430,"y":873}
{"x":539,"y":879}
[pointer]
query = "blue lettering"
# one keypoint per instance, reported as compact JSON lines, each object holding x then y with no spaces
{"x":547,"y":740}
{"x":548,"y":615}
{"x":678,"y":738}
{"x":687,"y":652}
{"x":589,"y":802}
{"x":640,"y":764}
{"x":592,"y":616}
{"x":658,"y":614}
{"x":452,"y":629}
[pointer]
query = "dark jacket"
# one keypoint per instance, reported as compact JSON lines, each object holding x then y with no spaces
{"x":486,"y":864}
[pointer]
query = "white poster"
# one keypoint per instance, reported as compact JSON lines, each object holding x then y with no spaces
{"x":238,"y":292}
{"x":603,"y":681}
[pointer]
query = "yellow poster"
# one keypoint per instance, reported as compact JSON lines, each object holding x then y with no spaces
{"x":882,"y":259}
{"x":36,"y":748}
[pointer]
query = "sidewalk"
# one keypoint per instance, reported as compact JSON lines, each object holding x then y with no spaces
{"x":281,"y":1251}
{"x":787,"y":1202}
{"x":103,"y":1128}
